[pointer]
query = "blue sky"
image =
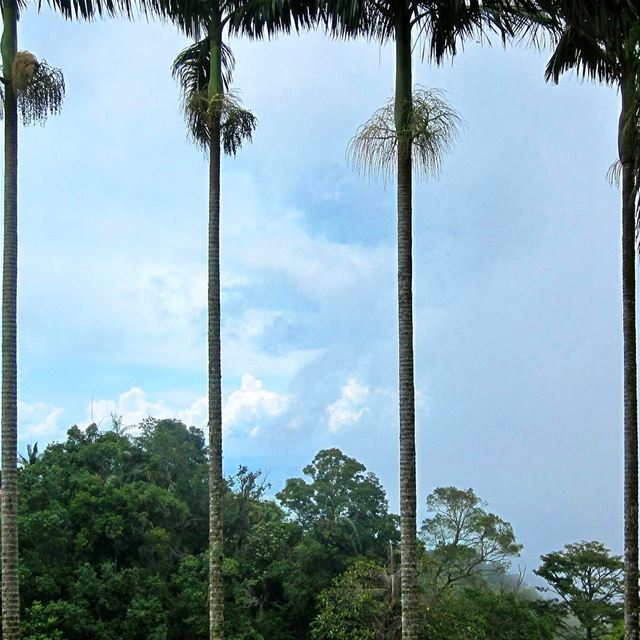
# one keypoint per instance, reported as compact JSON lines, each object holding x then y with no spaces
{"x":517,"y":303}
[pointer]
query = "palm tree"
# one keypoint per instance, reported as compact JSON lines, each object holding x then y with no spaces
{"x":216,"y":120}
{"x":600,"y":39}
{"x":441,"y":24}
{"x":35,"y":90}
{"x":432,"y":128}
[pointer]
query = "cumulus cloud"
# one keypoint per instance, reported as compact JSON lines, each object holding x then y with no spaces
{"x":349,"y":408}
{"x":134,"y":406}
{"x":39,"y":420}
{"x":251,"y":403}
{"x":242,"y":411}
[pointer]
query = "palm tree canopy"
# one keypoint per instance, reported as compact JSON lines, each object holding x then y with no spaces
{"x":192,"y":70}
{"x":441,"y":24}
{"x":253,"y":18}
{"x":91,"y":9}
{"x":597,"y":38}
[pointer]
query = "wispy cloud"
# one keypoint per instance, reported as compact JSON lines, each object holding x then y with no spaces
{"x":38,"y":421}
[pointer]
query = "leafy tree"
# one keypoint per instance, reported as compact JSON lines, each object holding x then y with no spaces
{"x":483,"y":614}
{"x":358,"y":606}
{"x":463,"y":540}
{"x":343,"y":515}
{"x":588,"y":580}
{"x":342,"y":505}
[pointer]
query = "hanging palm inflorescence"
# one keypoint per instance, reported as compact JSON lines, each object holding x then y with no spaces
{"x":433,"y":128}
{"x":38,"y":88}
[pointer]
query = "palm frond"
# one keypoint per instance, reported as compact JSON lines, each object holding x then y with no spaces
{"x":191,"y":68}
{"x":237,"y":124}
{"x":265,"y":18}
{"x":434,"y":128}
{"x":614,"y":173}
{"x":88,"y":9}
{"x":589,"y":57}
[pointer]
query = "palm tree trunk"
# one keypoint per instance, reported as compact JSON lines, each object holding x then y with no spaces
{"x":216,"y":487}
{"x":10,"y":585}
{"x":626,"y":152}
{"x":408,"y":544}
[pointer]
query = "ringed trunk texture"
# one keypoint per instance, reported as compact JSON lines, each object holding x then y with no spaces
{"x":10,"y":585}
{"x":408,"y":543}
{"x":626,"y":147}
{"x":216,"y":489}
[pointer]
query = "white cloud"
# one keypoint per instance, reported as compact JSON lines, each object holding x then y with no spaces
{"x":251,"y":403}
{"x":39,"y":420}
{"x":244,"y":406}
{"x":134,"y":406}
{"x":348,"y":409}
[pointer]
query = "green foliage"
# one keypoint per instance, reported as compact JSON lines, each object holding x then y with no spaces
{"x":617,"y":633}
{"x":204,"y":112}
{"x":358,"y":606}
{"x":464,"y":542}
{"x":114,"y":545}
{"x":114,"y":539}
{"x":482,"y":614}
{"x":588,"y":581}
{"x":342,"y":505}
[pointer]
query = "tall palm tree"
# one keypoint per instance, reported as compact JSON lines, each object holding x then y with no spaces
{"x":217,"y":121}
{"x":600,"y":40}
{"x":35,"y":90}
{"x":441,"y":24}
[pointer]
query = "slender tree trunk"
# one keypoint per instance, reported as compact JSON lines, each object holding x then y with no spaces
{"x":216,"y":487}
{"x":408,"y":544}
{"x":10,"y":585}
{"x":626,"y":152}
{"x":589,"y":633}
